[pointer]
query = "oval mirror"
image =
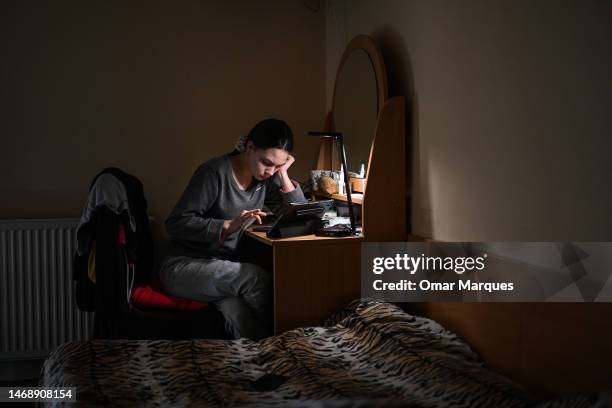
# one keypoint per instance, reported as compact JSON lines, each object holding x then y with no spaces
{"x":356,"y":108}
{"x":359,"y":92}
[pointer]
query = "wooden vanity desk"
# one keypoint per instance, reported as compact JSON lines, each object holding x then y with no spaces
{"x":315,"y":277}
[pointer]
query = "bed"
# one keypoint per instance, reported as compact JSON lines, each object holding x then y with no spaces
{"x":369,"y":354}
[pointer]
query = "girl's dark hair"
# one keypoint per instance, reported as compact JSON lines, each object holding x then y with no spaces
{"x":272,"y":133}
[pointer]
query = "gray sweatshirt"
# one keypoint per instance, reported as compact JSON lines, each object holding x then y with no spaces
{"x":212,"y":196}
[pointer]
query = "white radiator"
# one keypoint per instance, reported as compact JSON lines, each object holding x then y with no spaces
{"x":37,"y":307}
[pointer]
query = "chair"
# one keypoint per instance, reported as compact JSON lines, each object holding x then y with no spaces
{"x":115,"y":275}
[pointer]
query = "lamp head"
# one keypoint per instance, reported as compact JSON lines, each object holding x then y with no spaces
{"x":335,"y":135}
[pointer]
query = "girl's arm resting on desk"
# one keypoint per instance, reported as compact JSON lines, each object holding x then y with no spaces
{"x":276,"y":197}
{"x":286,"y":184}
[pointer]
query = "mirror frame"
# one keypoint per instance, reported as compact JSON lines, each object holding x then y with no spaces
{"x":366,"y":44}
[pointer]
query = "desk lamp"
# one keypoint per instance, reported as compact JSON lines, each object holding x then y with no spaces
{"x":340,"y":140}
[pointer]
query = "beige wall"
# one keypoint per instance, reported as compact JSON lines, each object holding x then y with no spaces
{"x":510,"y":111}
{"x":152,"y":87}
{"x":509,"y":122}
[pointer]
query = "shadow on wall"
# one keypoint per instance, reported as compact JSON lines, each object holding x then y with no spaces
{"x":400,"y":79}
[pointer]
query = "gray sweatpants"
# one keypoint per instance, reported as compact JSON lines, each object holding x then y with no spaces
{"x":242,"y":292}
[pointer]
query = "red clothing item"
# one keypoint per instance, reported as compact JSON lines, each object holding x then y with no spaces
{"x":150,"y":297}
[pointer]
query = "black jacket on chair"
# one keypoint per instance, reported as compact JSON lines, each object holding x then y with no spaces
{"x":102,"y":228}
{"x":123,"y":258}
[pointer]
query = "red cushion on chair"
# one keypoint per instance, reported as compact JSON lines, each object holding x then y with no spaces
{"x":151,"y":297}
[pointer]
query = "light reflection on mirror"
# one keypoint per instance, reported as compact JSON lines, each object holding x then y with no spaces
{"x":356,"y":108}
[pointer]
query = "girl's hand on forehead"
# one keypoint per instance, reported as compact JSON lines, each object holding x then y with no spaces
{"x":288,"y":163}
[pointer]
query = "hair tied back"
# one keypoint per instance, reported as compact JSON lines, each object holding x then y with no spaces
{"x":240,"y":144}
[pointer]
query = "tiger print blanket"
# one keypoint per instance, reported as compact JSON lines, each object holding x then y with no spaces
{"x":372,"y":354}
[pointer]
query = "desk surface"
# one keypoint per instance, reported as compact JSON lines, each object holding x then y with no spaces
{"x":356,"y":198}
{"x":261,"y":236}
